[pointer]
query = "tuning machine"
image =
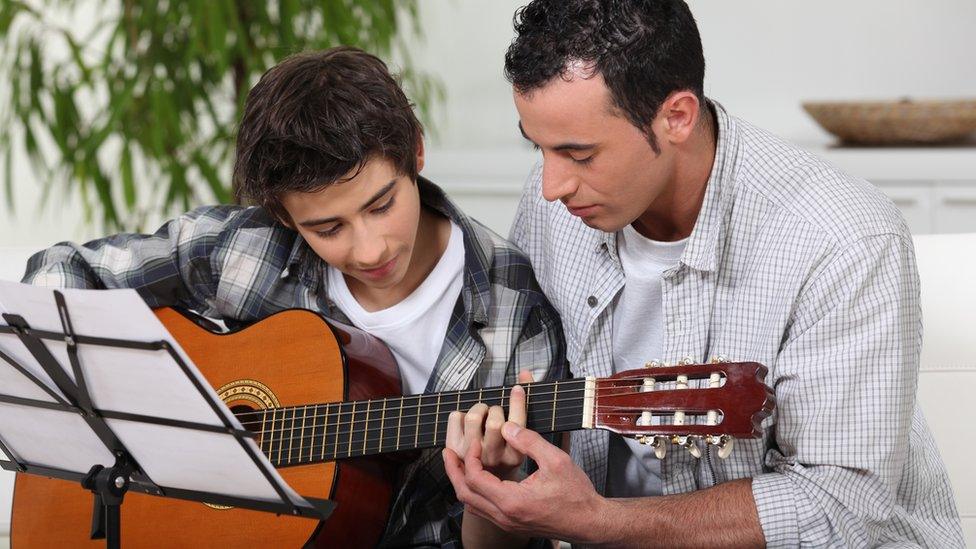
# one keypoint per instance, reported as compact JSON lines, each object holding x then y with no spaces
{"x":724,"y":443}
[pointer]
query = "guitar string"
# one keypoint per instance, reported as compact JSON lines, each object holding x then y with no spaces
{"x":574,"y":415}
{"x":605,"y":394}
{"x":372,"y":444}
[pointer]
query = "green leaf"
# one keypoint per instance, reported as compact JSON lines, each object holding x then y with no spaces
{"x":209,"y":173}
{"x":128,"y":180}
{"x":8,"y":175}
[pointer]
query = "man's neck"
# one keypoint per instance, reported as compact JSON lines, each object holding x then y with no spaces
{"x":673,"y":214}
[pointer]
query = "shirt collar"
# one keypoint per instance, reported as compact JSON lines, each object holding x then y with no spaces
{"x":702,"y":250}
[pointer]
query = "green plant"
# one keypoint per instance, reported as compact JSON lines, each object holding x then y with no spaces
{"x":137,"y":113}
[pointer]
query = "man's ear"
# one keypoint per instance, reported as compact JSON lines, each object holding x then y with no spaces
{"x":679,"y":115}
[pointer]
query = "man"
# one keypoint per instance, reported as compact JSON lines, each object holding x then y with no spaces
{"x":331,"y":150}
{"x":663,"y":228}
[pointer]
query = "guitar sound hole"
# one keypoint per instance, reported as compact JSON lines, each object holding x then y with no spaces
{"x":250,"y":419}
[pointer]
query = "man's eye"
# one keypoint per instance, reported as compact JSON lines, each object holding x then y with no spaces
{"x":583,"y":161}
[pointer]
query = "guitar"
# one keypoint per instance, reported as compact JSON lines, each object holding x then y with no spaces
{"x":270,"y":372}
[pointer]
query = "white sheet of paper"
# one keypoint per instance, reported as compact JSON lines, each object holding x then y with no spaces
{"x":148,"y":383}
{"x":209,"y":462}
{"x":52,"y":438}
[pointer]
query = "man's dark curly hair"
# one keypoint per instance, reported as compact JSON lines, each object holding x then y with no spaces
{"x":644,"y":49}
{"x":316,"y":117}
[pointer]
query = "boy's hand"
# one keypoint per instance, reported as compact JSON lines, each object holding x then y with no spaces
{"x":483,"y":425}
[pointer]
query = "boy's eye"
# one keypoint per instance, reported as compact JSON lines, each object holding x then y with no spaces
{"x":385,"y":207}
{"x":332,"y":231}
{"x":583,"y":161}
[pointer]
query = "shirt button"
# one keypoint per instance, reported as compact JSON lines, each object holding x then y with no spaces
{"x":591,"y":301}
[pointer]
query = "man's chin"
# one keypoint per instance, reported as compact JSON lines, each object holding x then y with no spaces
{"x":603,"y":224}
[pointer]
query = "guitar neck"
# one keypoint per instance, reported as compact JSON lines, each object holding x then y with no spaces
{"x":325,"y":432}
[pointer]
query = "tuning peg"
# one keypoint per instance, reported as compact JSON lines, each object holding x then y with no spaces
{"x":653,"y":364}
{"x":688,"y":443}
{"x":659,"y":443}
{"x":660,"y":447}
{"x":724,"y":444}
{"x":687,"y":360}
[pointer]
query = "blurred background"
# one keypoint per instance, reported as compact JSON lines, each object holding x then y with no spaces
{"x":117,"y":114}
{"x":132,"y":106}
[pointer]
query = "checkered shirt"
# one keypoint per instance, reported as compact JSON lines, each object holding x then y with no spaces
{"x":238,"y":265}
{"x":811,"y":272}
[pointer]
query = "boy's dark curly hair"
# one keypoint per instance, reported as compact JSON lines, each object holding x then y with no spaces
{"x":317,"y":117}
{"x":644,"y":49}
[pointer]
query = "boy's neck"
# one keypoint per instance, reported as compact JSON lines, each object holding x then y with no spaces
{"x":433,"y":235}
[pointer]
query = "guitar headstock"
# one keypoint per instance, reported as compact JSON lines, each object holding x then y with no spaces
{"x":658,"y":405}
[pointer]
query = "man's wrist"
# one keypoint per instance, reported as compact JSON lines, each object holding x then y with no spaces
{"x":595,"y":525}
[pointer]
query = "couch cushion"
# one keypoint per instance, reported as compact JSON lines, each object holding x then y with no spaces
{"x":13,"y":262}
{"x":946,"y":267}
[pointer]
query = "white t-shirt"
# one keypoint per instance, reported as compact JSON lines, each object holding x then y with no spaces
{"x":414,"y":329}
{"x":638,"y":338}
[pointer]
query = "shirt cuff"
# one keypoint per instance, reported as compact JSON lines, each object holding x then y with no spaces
{"x":776,"y":503}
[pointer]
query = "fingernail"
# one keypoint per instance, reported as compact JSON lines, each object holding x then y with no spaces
{"x":510,"y":429}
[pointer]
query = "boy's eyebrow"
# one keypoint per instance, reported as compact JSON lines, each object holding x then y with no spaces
{"x":561,"y":147}
{"x":379,"y":194}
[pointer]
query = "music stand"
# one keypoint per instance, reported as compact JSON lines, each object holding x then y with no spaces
{"x":113,"y":470}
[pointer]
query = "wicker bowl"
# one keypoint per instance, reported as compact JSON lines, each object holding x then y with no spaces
{"x":895,"y":122}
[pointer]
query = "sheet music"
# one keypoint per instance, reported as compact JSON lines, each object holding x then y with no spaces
{"x":134,"y":381}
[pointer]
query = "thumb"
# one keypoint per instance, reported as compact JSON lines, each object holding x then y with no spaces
{"x":529,"y":443}
{"x":525,"y":376}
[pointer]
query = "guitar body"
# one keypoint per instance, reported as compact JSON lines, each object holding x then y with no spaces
{"x":289,"y":359}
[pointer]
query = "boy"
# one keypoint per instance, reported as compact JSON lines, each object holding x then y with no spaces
{"x":330,"y":150}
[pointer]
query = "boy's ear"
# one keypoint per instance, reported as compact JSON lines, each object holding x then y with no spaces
{"x":420,"y":153}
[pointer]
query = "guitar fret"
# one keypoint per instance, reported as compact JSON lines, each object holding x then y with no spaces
{"x":325,"y":430}
{"x":291,"y":434}
{"x":366,"y":427}
{"x":281,"y":440}
{"x":437,"y":417}
{"x":555,"y":388}
{"x":416,"y":431}
{"x":311,"y":442}
{"x":352,"y":419}
{"x":301,"y":440}
{"x":399,"y":420}
{"x":264,"y":433}
{"x":382,"y":424}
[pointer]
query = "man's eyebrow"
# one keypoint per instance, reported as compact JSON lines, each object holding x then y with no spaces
{"x":562,"y":146}
{"x":379,"y":194}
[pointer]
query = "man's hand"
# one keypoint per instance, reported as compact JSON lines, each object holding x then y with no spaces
{"x":557,"y":500}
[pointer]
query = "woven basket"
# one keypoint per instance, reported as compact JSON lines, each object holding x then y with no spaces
{"x":895,"y":122}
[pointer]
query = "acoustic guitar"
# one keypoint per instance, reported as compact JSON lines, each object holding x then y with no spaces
{"x":270,"y":374}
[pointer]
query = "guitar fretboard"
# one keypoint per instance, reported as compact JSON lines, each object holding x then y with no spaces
{"x":325,"y":432}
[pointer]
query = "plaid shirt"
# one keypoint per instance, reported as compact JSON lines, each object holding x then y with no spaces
{"x":811,"y":272}
{"x":238,"y":265}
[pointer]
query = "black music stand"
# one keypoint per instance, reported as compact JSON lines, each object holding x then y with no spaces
{"x":110,"y":482}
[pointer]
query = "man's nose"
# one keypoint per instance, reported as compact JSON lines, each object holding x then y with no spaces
{"x":557,"y":183}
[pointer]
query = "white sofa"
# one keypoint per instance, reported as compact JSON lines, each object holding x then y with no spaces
{"x":947,"y":266}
